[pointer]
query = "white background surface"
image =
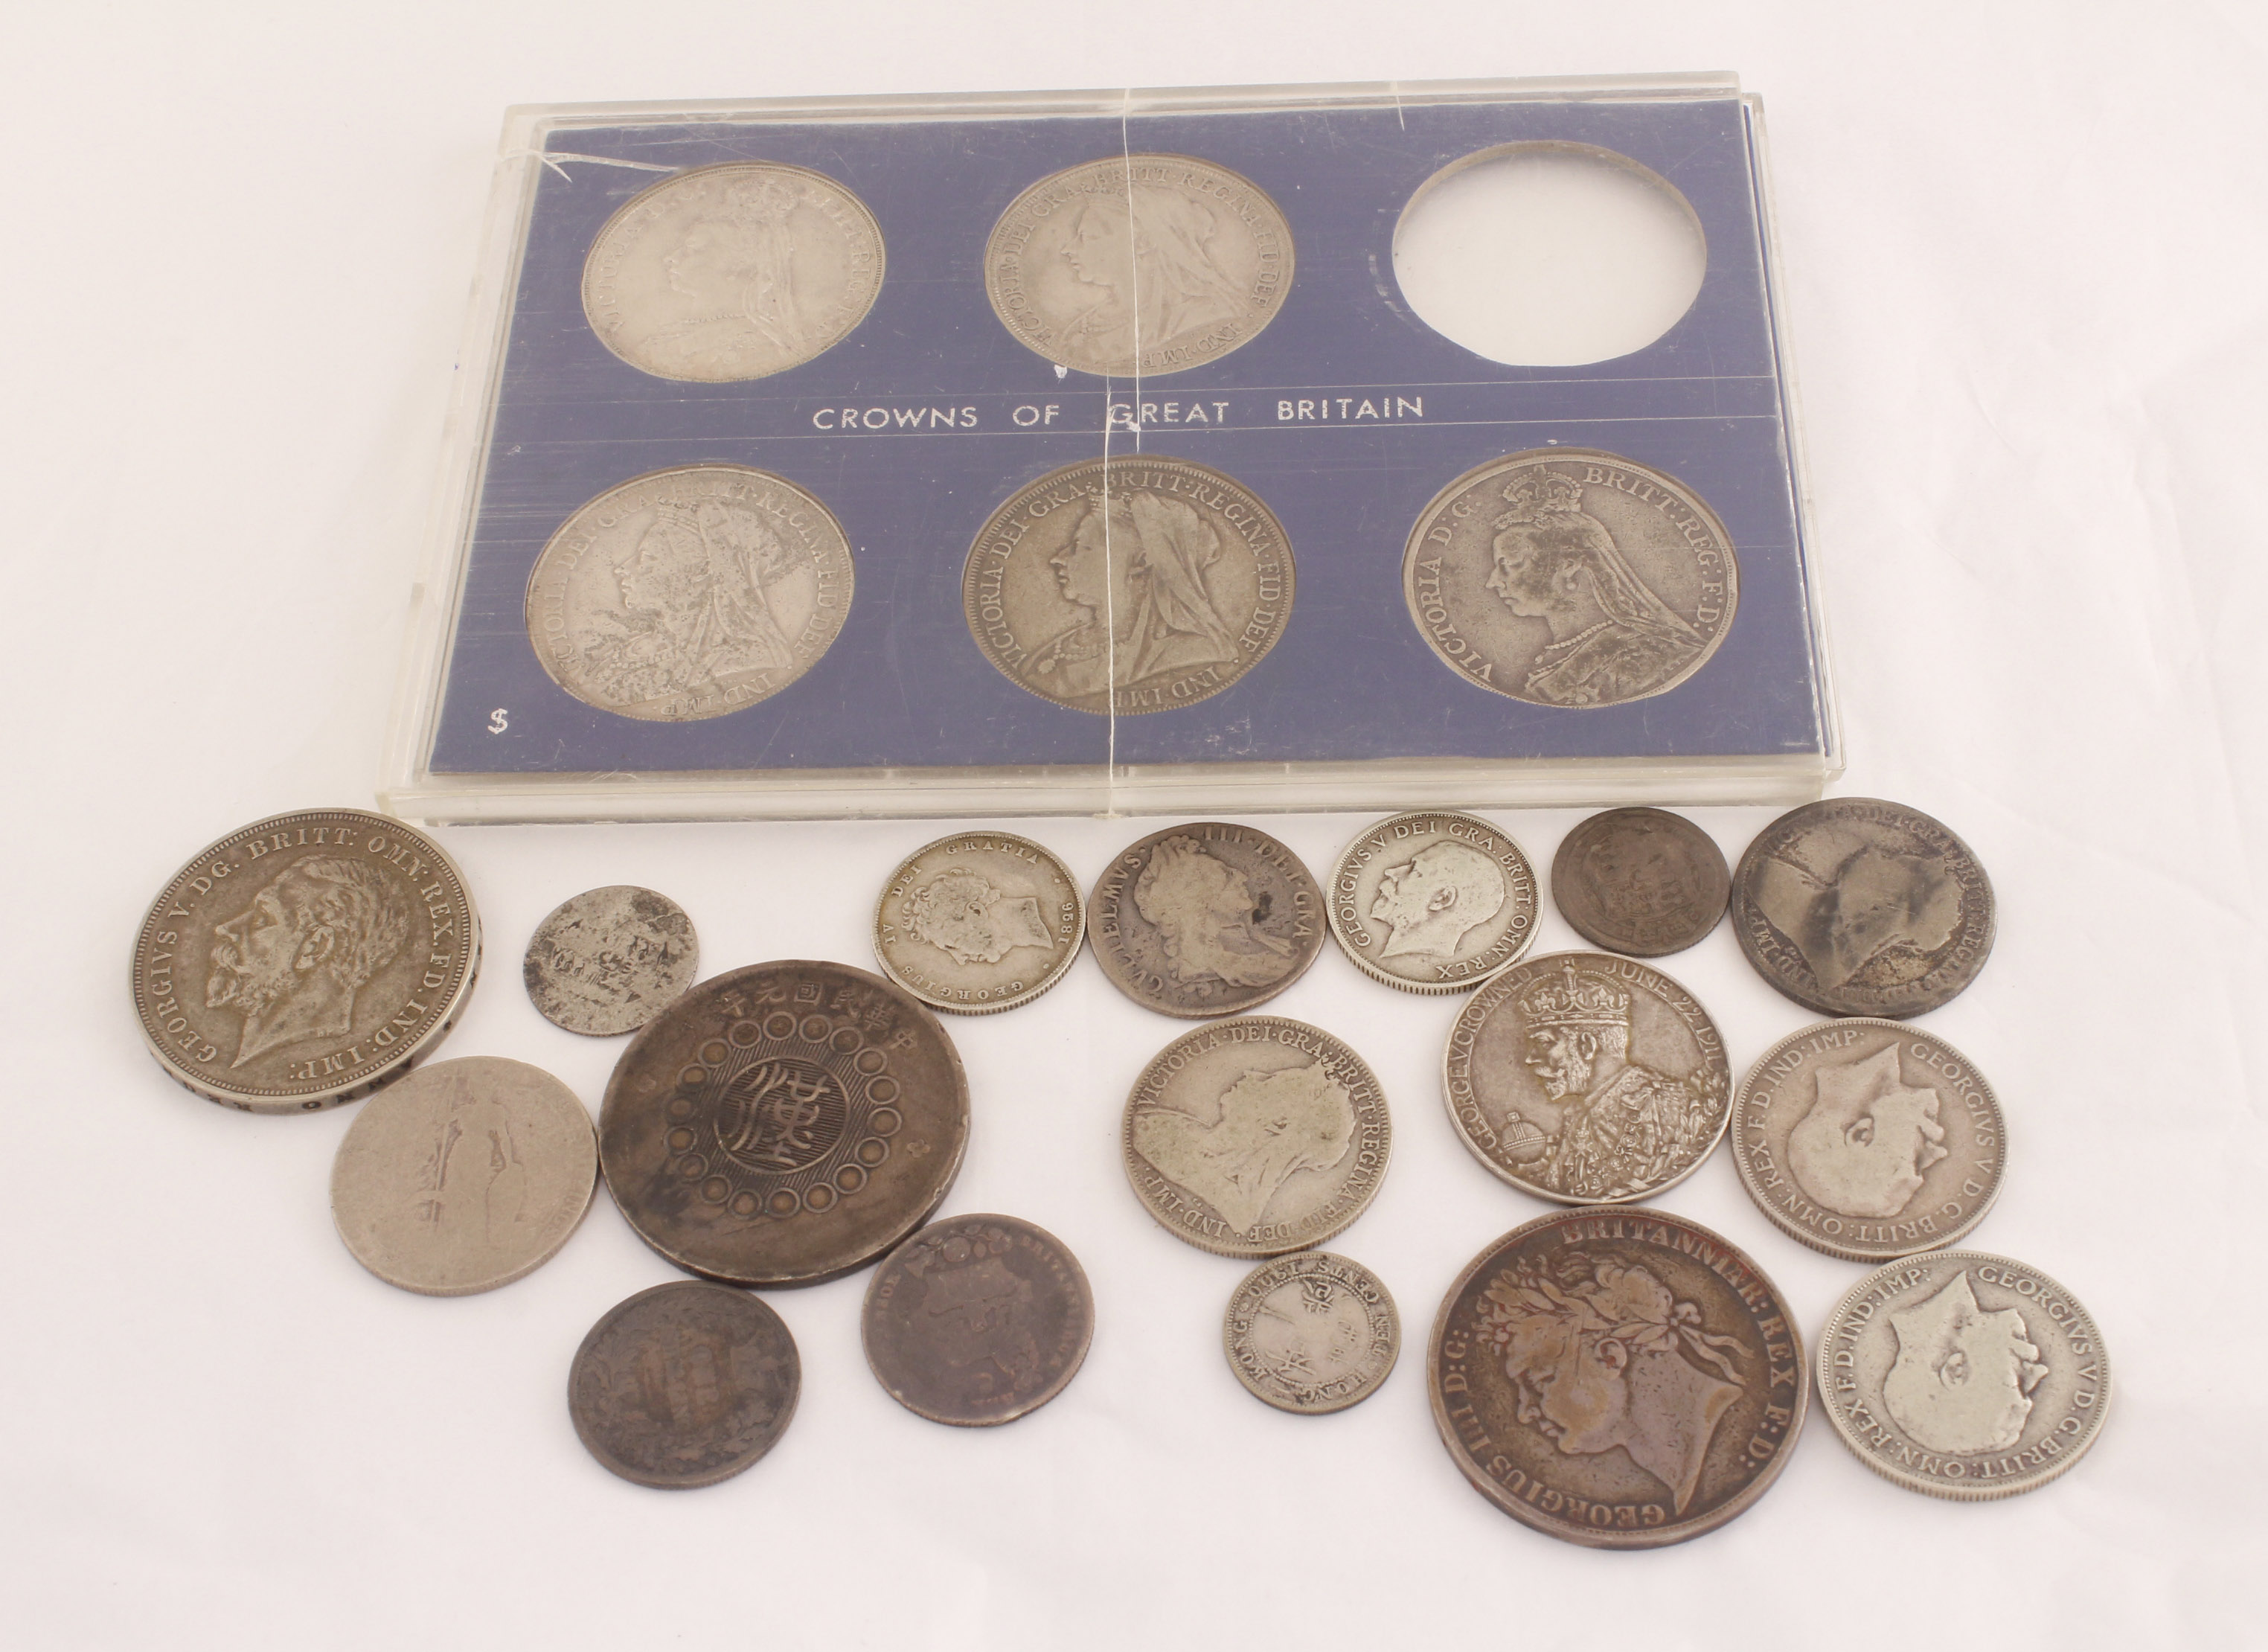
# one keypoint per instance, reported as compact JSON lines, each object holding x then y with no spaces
{"x":2023,"y":247}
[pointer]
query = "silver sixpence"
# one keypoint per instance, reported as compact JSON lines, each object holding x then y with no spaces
{"x":1963,"y":1374}
{"x":1587,"y":1079}
{"x":730,"y":272}
{"x":1256,"y":1136}
{"x":1568,"y":576}
{"x":465,"y":1176}
{"x":607,"y":960}
{"x":1138,"y":265}
{"x":979,"y":922}
{"x":690,"y":593}
{"x":1312,"y":1332}
{"x":1434,"y":902}
{"x":1205,"y":919}
{"x":1869,"y":1140}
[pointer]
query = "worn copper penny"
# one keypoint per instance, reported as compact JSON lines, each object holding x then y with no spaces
{"x":1963,"y":1374}
{"x":305,"y":961}
{"x":784,"y":1124}
{"x":979,"y":922}
{"x":1641,"y":881}
{"x":1869,"y":1140}
{"x":1435,"y":902}
{"x":1311,"y":1332}
{"x":977,"y":1320}
{"x":1621,"y":1379}
{"x":606,"y":961}
{"x":684,"y":1386}
{"x":1205,"y":919}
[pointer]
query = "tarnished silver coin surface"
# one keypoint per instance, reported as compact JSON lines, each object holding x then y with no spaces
{"x":1434,"y":902}
{"x":684,"y":1386}
{"x":1312,"y":1332}
{"x":784,"y":1124}
{"x":1620,"y":1379}
{"x":1641,"y":881}
{"x":1589,"y":1078}
{"x":1852,"y":906}
{"x":1963,"y":1374}
{"x":1128,"y":586}
{"x":1257,"y":1136}
{"x":1568,"y":577}
{"x":1869,"y":1140}
{"x":607,"y":960}
{"x":1138,"y":265}
{"x":1205,"y":919}
{"x":688,"y":593}
{"x":305,"y":961}
{"x":979,"y":922}
{"x":977,"y":1320}
{"x":465,"y":1176}
{"x":732,"y":271}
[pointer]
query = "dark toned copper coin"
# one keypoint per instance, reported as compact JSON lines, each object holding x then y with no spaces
{"x":1640,"y":882}
{"x":784,"y":1124}
{"x":1854,"y":906}
{"x":1621,"y":1379}
{"x":684,"y":1386}
{"x":1205,"y":919}
{"x":977,"y":1320}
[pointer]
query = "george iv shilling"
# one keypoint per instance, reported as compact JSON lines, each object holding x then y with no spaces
{"x":689,"y":592}
{"x":733,"y":272}
{"x":1570,"y":577}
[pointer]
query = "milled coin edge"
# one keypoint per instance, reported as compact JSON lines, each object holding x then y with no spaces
{"x":1431,"y":989}
{"x":1056,"y":972}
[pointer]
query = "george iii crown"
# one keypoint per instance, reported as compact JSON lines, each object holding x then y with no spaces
{"x":1574,"y":1000}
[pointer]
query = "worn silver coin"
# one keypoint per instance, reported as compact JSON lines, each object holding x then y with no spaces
{"x":1854,"y":906}
{"x":1869,"y":1140}
{"x":304,"y":960}
{"x":1138,"y":265}
{"x":465,"y":1176}
{"x":732,"y":271}
{"x":1312,"y":1332}
{"x":688,"y":593}
{"x":1434,"y":902}
{"x":1641,"y":881}
{"x":1587,"y":1079}
{"x":1571,"y":576}
{"x":977,"y":1320}
{"x":1256,"y":1136}
{"x":684,"y":1386}
{"x":979,"y":922}
{"x":1127,"y":585}
{"x":1619,"y":1379}
{"x":1963,"y":1374}
{"x":1205,"y":919}
{"x":607,"y":960}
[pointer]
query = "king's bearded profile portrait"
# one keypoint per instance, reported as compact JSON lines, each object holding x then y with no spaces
{"x":696,"y":596}
{"x":1207,"y":917}
{"x":1432,"y":900}
{"x":1140,"y":567}
{"x":292,"y":961}
{"x":1862,"y":1147}
{"x":1963,"y":1378}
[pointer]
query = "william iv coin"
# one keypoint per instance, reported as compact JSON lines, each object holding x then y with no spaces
{"x":688,"y":593}
{"x":1963,"y":1374}
{"x":1434,"y":902}
{"x":1256,"y":1136}
{"x":684,"y":1386}
{"x":784,"y":1124}
{"x":305,"y":961}
{"x":1587,"y":1078}
{"x":1641,"y":881}
{"x":1205,"y":919}
{"x":1566,"y":577}
{"x":1138,"y":265}
{"x":1854,"y":906}
{"x":1621,"y":1379}
{"x":1126,"y":586}
{"x":977,"y":1320}
{"x":465,"y":1176}
{"x":979,"y":922}
{"x":1311,"y":1332}
{"x":730,"y":272}
{"x":1868,"y":1140}
{"x":605,"y":960}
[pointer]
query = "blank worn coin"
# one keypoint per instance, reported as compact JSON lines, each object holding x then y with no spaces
{"x":1434,"y":902}
{"x":465,"y":1176}
{"x":979,"y":922}
{"x":606,"y":961}
{"x":1311,"y":1332}
{"x":1205,"y":919}
{"x":1641,"y":881}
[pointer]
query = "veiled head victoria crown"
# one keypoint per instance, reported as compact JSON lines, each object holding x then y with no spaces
{"x":1574,"y":1000}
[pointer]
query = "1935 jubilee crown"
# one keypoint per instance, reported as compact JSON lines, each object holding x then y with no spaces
{"x":1574,"y":1000}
